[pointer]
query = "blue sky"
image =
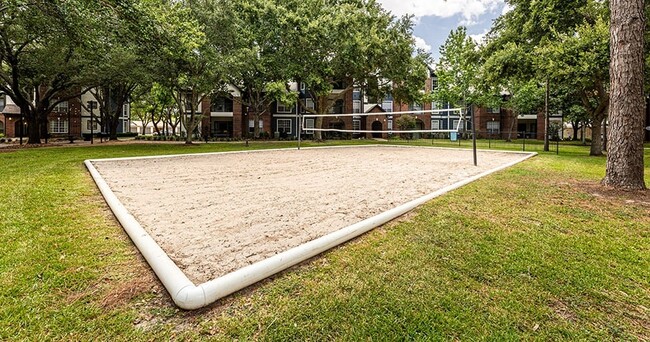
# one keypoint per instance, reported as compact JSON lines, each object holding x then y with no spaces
{"x":436,"y":18}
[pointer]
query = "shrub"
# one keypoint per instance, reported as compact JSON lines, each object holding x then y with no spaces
{"x":404,"y":123}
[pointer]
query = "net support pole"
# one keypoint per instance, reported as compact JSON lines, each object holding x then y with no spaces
{"x":299,"y":123}
{"x":473,"y":134}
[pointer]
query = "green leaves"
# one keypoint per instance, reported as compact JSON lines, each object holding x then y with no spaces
{"x":457,"y":70}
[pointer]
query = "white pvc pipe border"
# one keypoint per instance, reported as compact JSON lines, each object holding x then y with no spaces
{"x":189,"y":296}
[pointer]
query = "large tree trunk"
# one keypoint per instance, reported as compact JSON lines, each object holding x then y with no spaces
{"x":318,"y":123}
{"x":512,"y":126}
{"x":33,"y":127}
{"x":627,"y":105}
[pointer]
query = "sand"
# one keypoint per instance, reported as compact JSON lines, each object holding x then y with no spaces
{"x":215,"y":213}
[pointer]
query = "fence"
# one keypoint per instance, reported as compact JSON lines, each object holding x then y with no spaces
{"x":521,"y":141}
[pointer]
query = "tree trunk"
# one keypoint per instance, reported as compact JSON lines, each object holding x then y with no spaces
{"x":596,"y":140}
{"x":318,"y":123}
{"x":256,"y":124}
{"x":512,"y":125}
{"x":627,"y":104}
{"x":546,"y":118}
{"x":33,"y":127}
{"x":575,"y":130}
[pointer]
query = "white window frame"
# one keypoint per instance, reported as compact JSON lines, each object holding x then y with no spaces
{"x":58,"y":126}
{"x":387,"y":106}
{"x":309,"y":104}
{"x":356,"y":124}
{"x":282,"y":108}
{"x":389,"y":125}
{"x":309,"y":123}
{"x":286,"y":122}
{"x":454,"y":123}
{"x":435,"y":124}
{"x":94,"y":123}
{"x":494,"y":127}
{"x":356,"y":106}
{"x":251,"y":125}
{"x":61,"y":107}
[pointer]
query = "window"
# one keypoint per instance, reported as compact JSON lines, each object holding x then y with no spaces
{"x":434,"y":83}
{"x":494,"y":110}
{"x":356,"y":106}
{"x":415,"y":107}
{"x":2,"y":127}
{"x":309,"y":104}
{"x":337,"y":108}
{"x":90,"y":127}
{"x":390,"y":124}
{"x":59,"y":126}
{"x":222,"y":105}
{"x":435,"y":124}
{"x":284,"y":126}
{"x":356,"y":124}
{"x":309,"y":123}
{"x":387,"y":106}
{"x":454,"y":124}
{"x":251,"y":125}
{"x":283,"y":108}
{"x":61,"y":107}
{"x":493,"y":127}
{"x":356,"y":94}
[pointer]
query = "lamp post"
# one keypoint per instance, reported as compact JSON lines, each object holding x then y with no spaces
{"x":69,"y":127}
{"x":22,"y":125}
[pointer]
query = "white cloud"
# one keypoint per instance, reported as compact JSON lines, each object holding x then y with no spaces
{"x":421,"y":44}
{"x":506,"y":8}
{"x":478,"y":38}
{"x":468,"y":9}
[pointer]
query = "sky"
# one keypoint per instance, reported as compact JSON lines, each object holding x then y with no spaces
{"x":436,"y":18}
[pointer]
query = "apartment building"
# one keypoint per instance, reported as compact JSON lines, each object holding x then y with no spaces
{"x":68,"y":119}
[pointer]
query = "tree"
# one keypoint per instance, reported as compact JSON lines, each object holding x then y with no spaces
{"x":127,"y":62}
{"x":351,"y":43}
{"x":66,"y":34}
{"x":457,"y":70}
{"x":559,"y":40}
{"x":190,"y":65}
{"x":579,"y":61}
{"x":627,"y":103}
{"x":152,"y":105}
{"x":509,"y":71}
{"x":406,"y":122}
{"x":460,"y":82}
{"x":258,"y":61}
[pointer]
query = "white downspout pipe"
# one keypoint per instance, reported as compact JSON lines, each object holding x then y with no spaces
{"x":189,"y":296}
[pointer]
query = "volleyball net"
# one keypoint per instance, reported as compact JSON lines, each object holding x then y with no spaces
{"x":458,"y":114}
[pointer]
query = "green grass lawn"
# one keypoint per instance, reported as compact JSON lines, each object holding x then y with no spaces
{"x":538,"y":251}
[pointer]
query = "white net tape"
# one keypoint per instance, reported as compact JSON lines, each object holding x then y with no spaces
{"x":460,"y":114}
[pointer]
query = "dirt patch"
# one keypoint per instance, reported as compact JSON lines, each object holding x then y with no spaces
{"x":635,"y":197}
{"x":215,"y":213}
